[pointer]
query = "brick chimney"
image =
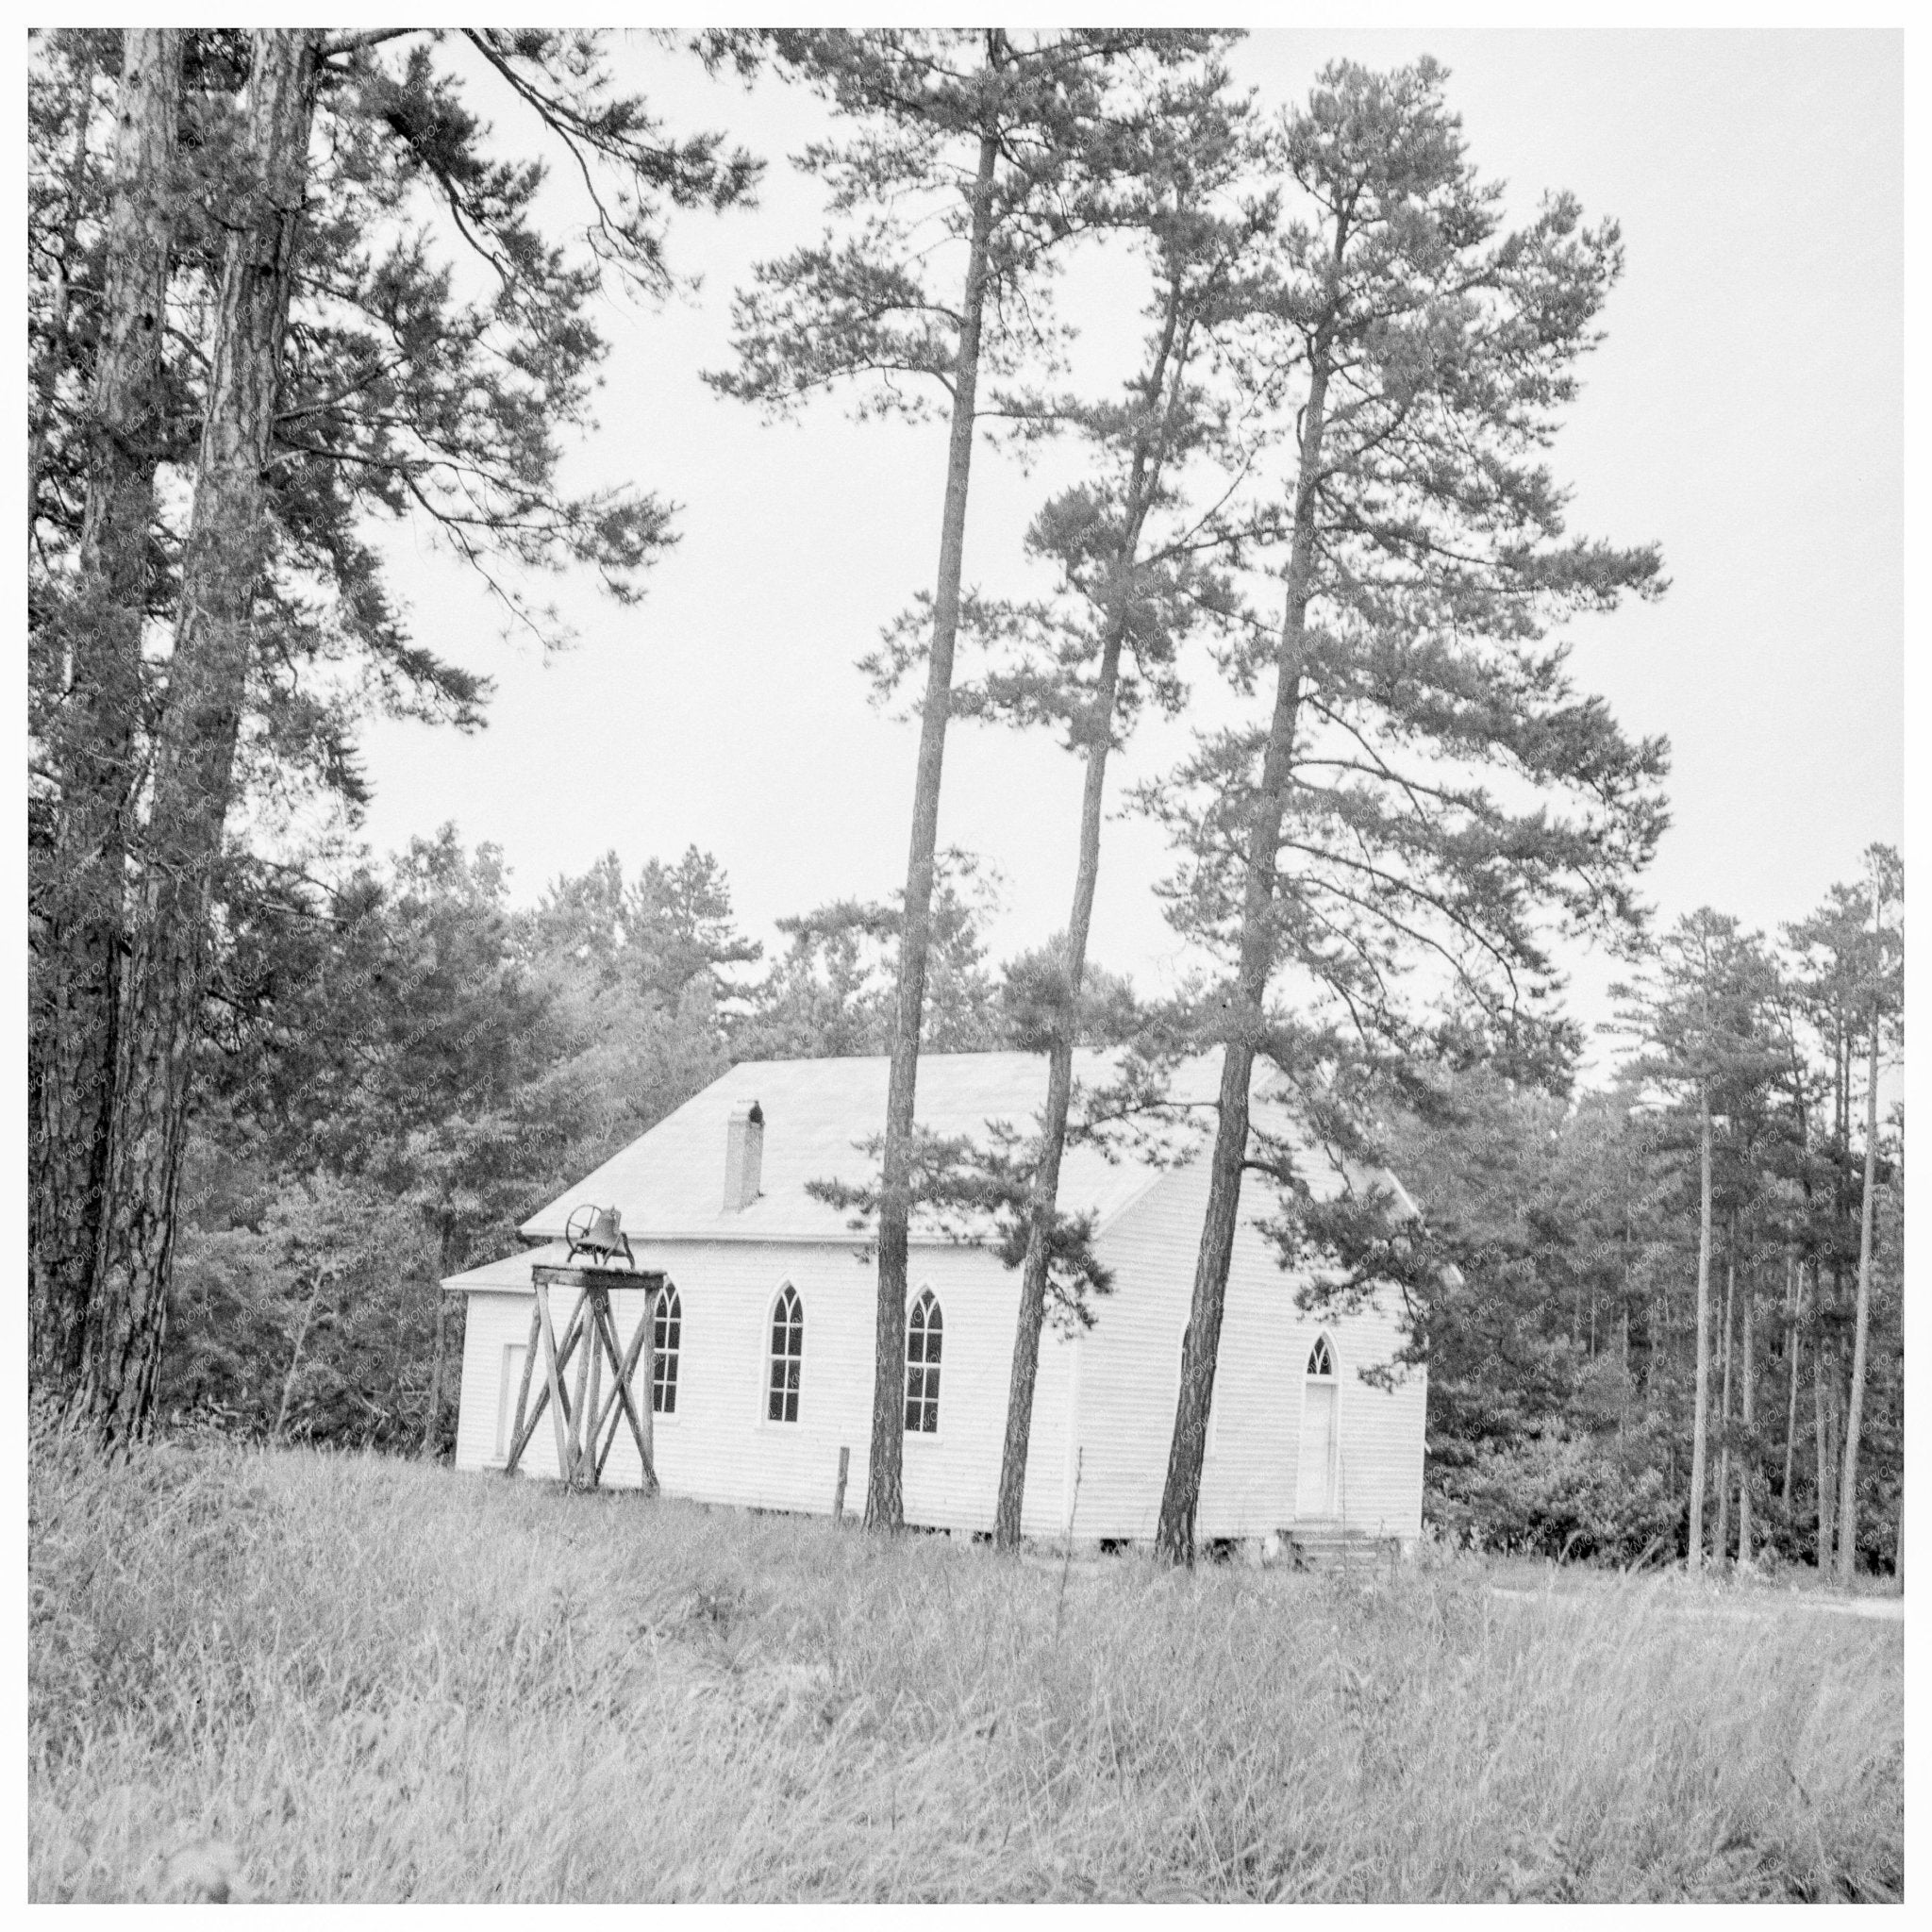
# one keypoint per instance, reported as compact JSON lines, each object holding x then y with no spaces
{"x":745,"y":1157}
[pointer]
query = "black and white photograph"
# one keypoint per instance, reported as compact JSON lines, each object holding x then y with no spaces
{"x":965,"y":964}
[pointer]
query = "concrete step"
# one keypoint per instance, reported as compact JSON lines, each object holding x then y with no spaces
{"x":1329,"y":1545}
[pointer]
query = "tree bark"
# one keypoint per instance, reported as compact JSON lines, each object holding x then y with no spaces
{"x":1044,"y":1205}
{"x":1700,"y":1425}
{"x":195,"y":750}
{"x":93,"y":746}
{"x":1747,"y":1415}
{"x":1794,"y":1316}
{"x":1722,"y":1540}
{"x":52,"y":366}
{"x":1824,"y":1390}
{"x":884,"y":1494}
{"x":1200,"y":1346}
{"x":1795,"y":1264}
{"x":1855,"y":1405}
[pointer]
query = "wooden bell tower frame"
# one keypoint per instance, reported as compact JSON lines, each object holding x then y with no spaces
{"x":583,"y":1438}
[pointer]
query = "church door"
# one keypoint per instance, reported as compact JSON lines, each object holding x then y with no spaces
{"x":1315,"y":1477}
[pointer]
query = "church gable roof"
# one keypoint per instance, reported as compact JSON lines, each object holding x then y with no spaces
{"x":670,"y":1183}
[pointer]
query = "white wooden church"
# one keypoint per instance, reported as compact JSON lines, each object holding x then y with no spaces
{"x":763,"y":1332}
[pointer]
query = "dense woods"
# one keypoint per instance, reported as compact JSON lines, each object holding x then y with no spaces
{"x":291,"y":289}
{"x":480,"y":1058}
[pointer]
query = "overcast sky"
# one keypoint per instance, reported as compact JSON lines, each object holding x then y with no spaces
{"x":1744,"y":412}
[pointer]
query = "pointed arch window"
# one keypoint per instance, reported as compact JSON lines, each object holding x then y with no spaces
{"x":925,"y":1331}
{"x":788,"y":1355}
{"x":1322,"y":1359}
{"x":667,"y":1335}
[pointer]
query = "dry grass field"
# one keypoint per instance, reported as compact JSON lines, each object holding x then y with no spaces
{"x":308,"y":1677}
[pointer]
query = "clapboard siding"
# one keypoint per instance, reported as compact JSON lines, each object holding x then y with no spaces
{"x":1130,"y":1375}
{"x":718,"y":1447}
{"x":1381,"y":1458}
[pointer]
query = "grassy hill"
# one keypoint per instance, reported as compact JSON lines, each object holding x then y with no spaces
{"x":311,"y":1678}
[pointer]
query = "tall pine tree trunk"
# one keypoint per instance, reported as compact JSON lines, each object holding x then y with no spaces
{"x":1201,"y":1343}
{"x":1824,"y":1391}
{"x":92,"y":748}
{"x":1044,"y":1204}
{"x":1700,"y":1423}
{"x":1042,"y":1208}
{"x":1723,"y":1542}
{"x":1795,"y":1330}
{"x":885,"y":1507}
{"x":1747,"y":1406}
{"x":195,"y":750}
{"x":1855,"y":1405}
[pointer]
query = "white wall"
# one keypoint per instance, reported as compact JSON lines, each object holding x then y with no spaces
{"x":1131,"y":1371}
{"x":720,"y":1447}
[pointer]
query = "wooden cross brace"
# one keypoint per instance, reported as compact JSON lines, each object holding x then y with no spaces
{"x":583,"y":1438}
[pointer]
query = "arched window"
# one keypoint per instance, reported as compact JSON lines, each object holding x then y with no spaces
{"x":788,"y":1355}
{"x":666,"y":1332}
{"x":1318,"y":1465}
{"x":923,"y":1334}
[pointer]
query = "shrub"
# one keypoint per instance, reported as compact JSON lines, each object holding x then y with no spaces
{"x":1559,"y":1495}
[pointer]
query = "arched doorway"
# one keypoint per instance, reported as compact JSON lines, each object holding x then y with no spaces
{"x":1314,"y":1487}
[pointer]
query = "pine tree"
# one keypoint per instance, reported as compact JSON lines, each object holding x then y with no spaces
{"x":62,"y":108}
{"x":1842,"y":975}
{"x":1138,"y":574}
{"x":996,"y":136}
{"x":407,"y":1068}
{"x":90,"y":753}
{"x":194,"y":764}
{"x":1354,"y":834}
{"x":1884,"y":971}
{"x":831,"y":992}
{"x":1701,"y":1016}
{"x":336,"y":345}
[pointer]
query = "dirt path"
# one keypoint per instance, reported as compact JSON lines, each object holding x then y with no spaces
{"x":1886,"y":1610}
{"x":1889,"y":1609}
